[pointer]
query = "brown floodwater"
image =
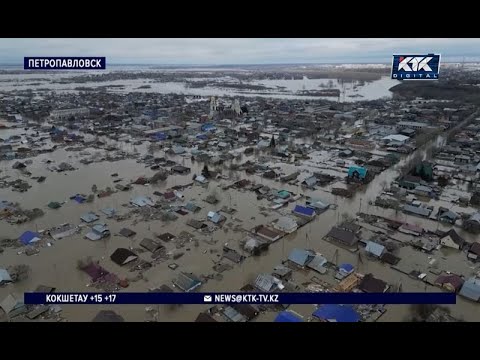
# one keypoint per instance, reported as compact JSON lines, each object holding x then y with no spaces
{"x":57,"y":265}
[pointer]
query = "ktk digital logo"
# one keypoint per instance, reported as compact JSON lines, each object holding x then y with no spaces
{"x":416,"y":67}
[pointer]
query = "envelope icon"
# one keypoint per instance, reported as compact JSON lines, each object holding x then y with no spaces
{"x":207,"y":298}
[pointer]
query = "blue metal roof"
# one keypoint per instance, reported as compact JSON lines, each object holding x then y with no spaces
{"x":304,"y":210}
{"x":346,"y":267}
{"x":79,"y":199}
{"x":300,"y":256}
{"x":27,"y":237}
{"x":337,"y":313}
{"x":287,"y":316}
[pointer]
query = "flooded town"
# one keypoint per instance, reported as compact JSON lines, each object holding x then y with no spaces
{"x":260,"y":179}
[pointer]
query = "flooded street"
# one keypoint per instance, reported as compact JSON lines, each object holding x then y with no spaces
{"x":56,"y":266}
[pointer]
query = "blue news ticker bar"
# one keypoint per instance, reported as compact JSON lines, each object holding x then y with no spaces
{"x":65,"y":63}
{"x":240,"y":298}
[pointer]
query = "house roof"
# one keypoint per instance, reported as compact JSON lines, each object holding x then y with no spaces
{"x":389,"y":258}
{"x":396,"y":137}
{"x":318,"y":263}
{"x":374,"y":248}
{"x":169,"y":195}
{"x":475,"y":217}
{"x":310,"y":181}
{"x":281,"y":270}
{"x":471,"y":289}
{"x":215,"y":217}
{"x":187,"y":282}
{"x":249,"y":311}
{"x":450,"y":215}
{"x":203,"y":317}
{"x":4,"y":276}
{"x":127,"y":232}
{"x":142,"y":201}
{"x":233,"y":315}
{"x":350,"y":226}
{"x":89,"y":217}
{"x":107,"y":316}
{"x":150,"y":244}
{"x":346,"y":267}
{"x":265,"y":282}
{"x":267,"y":232}
{"x":337,"y":313}
{"x":412,"y":227}
{"x":253,"y":243}
{"x":318,"y":204}
{"x":286,"y":223}
{"x":418,"y":210}
{"x":123,"y":256}
{"x":10,"y":303}
{"x":370,"y":284}
{"x":287,"y":316}
{"x":412,"y":179}
{"x":304,"y":210}
{"x":360,"y":170}
{"x":343,"y":236}
{"x":300,"y":256}
{"x":423,"y":188}
{"x":192,"y":207}
{"x":475,"y":248}
{"x":457,"y":239}
{"x":108,"y":211}
{"x":455,"y":280}
{"x":28,"y":237}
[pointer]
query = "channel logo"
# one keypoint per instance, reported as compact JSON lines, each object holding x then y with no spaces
{"x":416,"y":67}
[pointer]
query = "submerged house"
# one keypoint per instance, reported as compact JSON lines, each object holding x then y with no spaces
{"x":417,"y":210}
{"x":471,"y":289}
{"x":288,"y":316}
{"x":286,"y":224}
{"x":255,"y":246}
{"x":375,"y":249}
{"x":267,"y":233}
{"x":123,"y":256}
{"x":447,"y":216}
{"x":142,"y":201}
{"x":452,"y":240}
{"x":98,"y":231}
{"x":303,"y":211}
{"x":187,"y":282}
{"x":216,"y":217}
{"x":450,"y":282}
{"x":301,"y":257}
{"x":357,"y":173}
{"x":336,"y":313}
{"x":342,"y":236}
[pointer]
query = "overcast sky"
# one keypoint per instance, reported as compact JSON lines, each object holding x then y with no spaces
{"x":238,"y":51}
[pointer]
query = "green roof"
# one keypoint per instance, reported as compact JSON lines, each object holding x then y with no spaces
{"x":54,"y":205}
{"x":283,"y":194}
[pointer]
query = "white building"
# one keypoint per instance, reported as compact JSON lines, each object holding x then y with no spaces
{"x":67,"y":113}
